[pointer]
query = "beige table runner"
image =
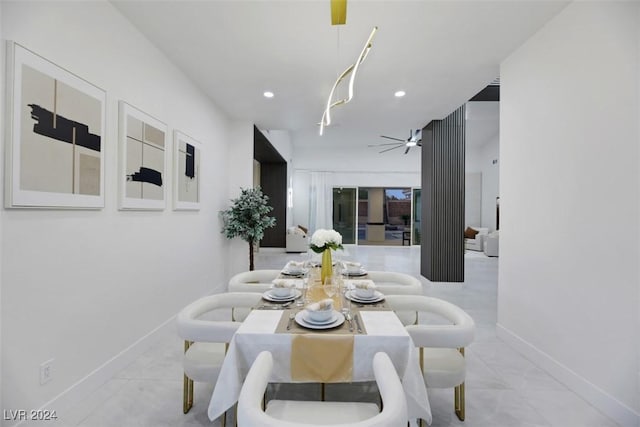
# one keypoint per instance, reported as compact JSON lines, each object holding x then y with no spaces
{"x":324,"y":355}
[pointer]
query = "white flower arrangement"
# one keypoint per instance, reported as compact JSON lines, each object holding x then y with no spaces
{"x":325,"y":239}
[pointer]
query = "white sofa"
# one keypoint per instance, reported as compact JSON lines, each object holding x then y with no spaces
{"x":491,"y":244}
{"x":297,"y":240}
{"x":477,"y":243}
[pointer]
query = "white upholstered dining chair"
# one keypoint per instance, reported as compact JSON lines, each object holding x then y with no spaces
{"x":253,"y":281}
{"x":392,"y":283}
{"x":288,"y":413}
{"x":206,"y":338}
{"x":441,"y":342}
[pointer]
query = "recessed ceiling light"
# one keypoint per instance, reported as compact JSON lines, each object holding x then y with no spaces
{"x":268,"y":94}
{"x":399,"y":94}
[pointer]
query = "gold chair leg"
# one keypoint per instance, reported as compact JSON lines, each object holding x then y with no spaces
{"x":421,"y":361}
{"x":458,"y":397}
{"x":187,"y":387}
{"x":187,"y":394}
{"x":322,"y":392}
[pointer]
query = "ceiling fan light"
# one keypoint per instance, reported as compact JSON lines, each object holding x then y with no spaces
{"x":268,"y":94}
{"x":411,"y":143}
{"x":399,"y":94}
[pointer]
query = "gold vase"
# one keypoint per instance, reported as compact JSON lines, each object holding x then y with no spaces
{"x":327,"y":265}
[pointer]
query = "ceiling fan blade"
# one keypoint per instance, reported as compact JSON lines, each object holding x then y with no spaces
{"x":392,"y":148}
{"x":389,"y":137}
{"x":407,"y":150}
{"x":380,"y":145}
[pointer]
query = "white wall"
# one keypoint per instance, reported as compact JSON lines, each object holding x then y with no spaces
{"x":473,"y":199}
{"x":490,"y":181}
{"x":240,"y":174}
{"x":569,"y":184}
{"x":472,"y":159}
{"x":82,"y":286}
{"x":281,"y":141}
{"x":350,"y":167}
{"x":2,"y":124}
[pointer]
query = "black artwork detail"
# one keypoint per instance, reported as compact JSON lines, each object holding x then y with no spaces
{"x":190,"y":166}
{"x":63,"y":131}
{"x":151,"y":176}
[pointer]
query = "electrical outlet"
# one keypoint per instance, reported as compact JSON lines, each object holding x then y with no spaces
{"x":46,"y":371}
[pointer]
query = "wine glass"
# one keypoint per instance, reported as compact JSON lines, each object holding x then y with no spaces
{"x":301,"y":301}
{"x":331,"y":288}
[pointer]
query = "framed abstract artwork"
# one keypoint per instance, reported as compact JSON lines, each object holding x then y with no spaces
{"x":55,"y":135}
{"x":186,"y":171}
{"x":142,"y":160}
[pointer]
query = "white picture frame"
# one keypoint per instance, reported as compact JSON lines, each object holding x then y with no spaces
{"x":143,"y":160}
{"x":55,"y":135}
{"x":187,"y":178}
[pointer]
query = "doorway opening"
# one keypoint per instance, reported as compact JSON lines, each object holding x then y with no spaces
{"x":384,"y":216}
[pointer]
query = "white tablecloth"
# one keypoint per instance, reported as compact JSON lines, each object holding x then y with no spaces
{"x":385,"y":333}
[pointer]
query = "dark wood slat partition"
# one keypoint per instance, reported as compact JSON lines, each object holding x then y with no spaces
{"x":443,"y":170}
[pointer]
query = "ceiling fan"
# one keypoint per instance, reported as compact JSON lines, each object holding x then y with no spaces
{"x":415,"y":139}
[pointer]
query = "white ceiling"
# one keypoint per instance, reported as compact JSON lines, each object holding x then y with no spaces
{"x":440,"y":52}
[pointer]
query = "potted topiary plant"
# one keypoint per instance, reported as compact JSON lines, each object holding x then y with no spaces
{"x":247,"y":218}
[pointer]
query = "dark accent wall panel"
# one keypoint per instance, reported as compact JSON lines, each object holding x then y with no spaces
{"x":443,"y":169}
{"x":273,"y":180}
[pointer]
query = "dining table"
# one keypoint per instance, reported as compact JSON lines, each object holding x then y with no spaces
{"x":303,"y":353}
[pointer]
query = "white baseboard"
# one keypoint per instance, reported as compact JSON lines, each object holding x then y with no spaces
{"x":85,"y":386}
{"x":603,"y":401}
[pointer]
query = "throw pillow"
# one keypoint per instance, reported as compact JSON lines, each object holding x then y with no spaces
{"x":470,"y":233}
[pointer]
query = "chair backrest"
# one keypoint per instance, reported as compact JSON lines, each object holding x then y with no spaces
{"x":392,"y":283}
{"x":459,"y":332}
{"x":253,"y":281}
{"x":250,"y":412}
{"x":192,"y":328}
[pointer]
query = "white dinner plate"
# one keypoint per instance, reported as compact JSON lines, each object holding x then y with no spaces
{"x":268,"y":295}
{"x":377,"y":297}
{"x":300,"y":320}
{"x":307,"y":318}
{"x":360,"y":273}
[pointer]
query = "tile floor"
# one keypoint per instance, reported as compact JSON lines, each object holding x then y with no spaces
{"x":503,"y":388}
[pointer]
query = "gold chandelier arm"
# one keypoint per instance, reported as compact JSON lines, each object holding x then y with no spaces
{"x":326,"y":116}
{"x":352,"y":69}
{"x":361,"y":58}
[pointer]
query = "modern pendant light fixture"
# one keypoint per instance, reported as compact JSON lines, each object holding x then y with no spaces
{"x":338,"y":12}
{"x":353,"y":70}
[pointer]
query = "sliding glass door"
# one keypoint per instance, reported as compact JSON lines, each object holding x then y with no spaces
{"x":344,"y":213}
{"x":416,"y":213}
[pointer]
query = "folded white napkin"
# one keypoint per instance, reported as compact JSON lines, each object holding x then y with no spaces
{"x":351,"y":264}
{"x":325,"y":304}
{"x":283,"y":283}
{"x":294,"y":265}
{"x":363,"y":284}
